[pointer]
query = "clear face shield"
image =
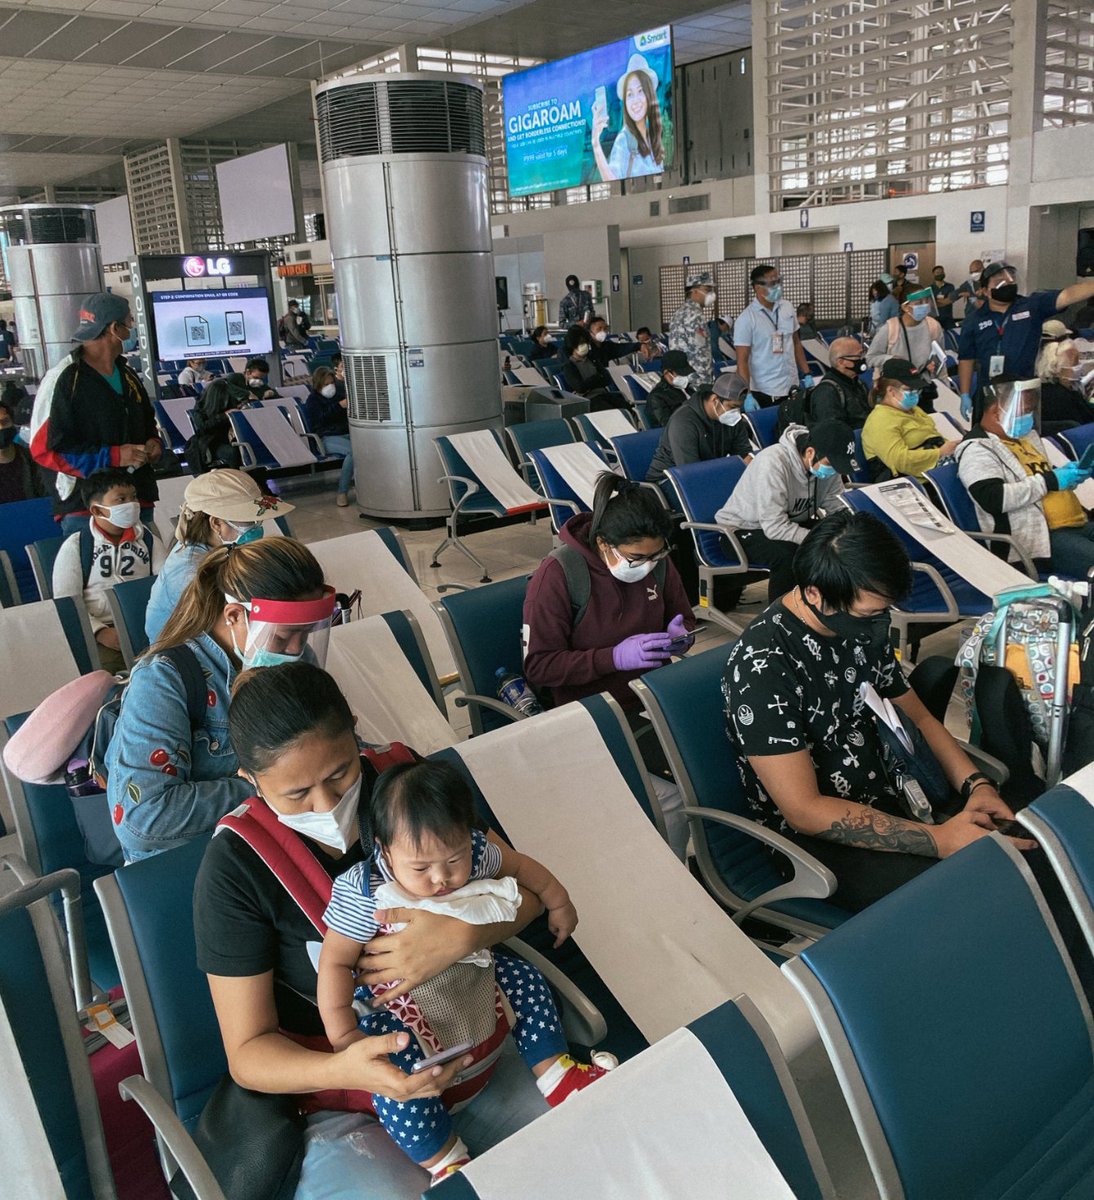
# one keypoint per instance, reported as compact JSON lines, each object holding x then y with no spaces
{"x":1019,"y":406}
{"x":284,"y":631}
{"x":921,"y":304}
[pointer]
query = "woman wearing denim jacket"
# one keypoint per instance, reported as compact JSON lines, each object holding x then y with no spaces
{"x":168,"y":782}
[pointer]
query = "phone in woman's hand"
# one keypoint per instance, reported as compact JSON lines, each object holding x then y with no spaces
{"x":441,"y":1057}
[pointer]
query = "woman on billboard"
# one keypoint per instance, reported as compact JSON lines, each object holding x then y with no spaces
{"x":639,"y":146}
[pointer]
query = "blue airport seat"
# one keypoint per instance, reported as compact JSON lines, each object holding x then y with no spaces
{"x":42,"y":556}
{"x":175,"y":437}
{"x":685,"y":705}
{"x":408,"y":635}
{"x":128,"y":603}
{"x":483,"y":627}
{"x":862,"y":475}
{"x":9,"y":592}
{"x":970,"y":935}
{"x":23,"y":522}
{"x":762,"y":422}
{"x":1077,"y":439}
{"x":564,"y":501}
{"x":535,"y":435}
{"x":635,"y":452}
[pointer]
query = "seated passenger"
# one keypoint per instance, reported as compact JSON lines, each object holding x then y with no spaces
{"x":649,"y":350}
{"x":327,"y":413}
{"x":709,"y":424}
{"x":899,"y":438}
{"x":114,"y":548}
{"x":194,"y":375}
{"x":212,"y":445}
{"x":20,"y":478}
{"x":841,"y":395}
{"x":256,"y":374}
{"x":583,"y":377}
{"x":636,"y":604}
{"x":424,"y":844}
{"x":602,"y":351}
{"x":543,"y":344}
{"x":219,"y":508}
{"x":809,"y":748}
{"x":785,"y":491}
{"x":248,"y":606}
{"x":1005,"y":470}
{"x":1063,"y":398}
{"x":306,"y":782}
{"x":671,"y":390}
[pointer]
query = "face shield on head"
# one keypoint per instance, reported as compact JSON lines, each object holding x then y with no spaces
{"x":284,"y":631}
{"x":921,"y":304}
{"x":1019,"y":406}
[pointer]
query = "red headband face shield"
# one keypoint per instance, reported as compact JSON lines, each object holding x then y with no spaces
{"x":283,"y":631}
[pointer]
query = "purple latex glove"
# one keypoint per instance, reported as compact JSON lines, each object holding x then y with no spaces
{"x":682,"y":639}
{"x":641,"y":652}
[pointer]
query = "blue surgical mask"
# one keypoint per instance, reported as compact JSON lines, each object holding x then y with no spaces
{"x":775,"y":293}
{"x":131,"y":342}
{"x":259,"y":656}
{"x":909,"y":399}
{"x":1018,"y":427}
{"x":919,"y":311}
{"x":823,"y":471}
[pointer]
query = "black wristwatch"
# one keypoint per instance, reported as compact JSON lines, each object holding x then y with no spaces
{"x":972,"y":782}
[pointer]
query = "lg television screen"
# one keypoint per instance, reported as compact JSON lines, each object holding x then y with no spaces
{"x":599,"y":116}
{"x":212,"y":324}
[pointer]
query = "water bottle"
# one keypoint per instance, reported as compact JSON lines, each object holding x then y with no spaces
{"x":513,"y":690}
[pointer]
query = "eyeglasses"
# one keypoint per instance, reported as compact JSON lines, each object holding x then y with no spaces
{"x":641,"y":559}
{"x":850,"y":358}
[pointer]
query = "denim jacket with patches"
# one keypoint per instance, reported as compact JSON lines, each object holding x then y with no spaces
{"x":166,"y":782}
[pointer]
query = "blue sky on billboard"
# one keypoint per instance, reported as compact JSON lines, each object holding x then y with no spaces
{"x":602,"y":115}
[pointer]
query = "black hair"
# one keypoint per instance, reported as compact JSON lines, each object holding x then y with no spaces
{"x":901,"y":268}
{"x":3,"y":326}
{"x":538,"y":332}
{"x":7,"y":406}
{"x":802,"y":309}
{"x":292,"y":302}
{"x":576,"y":335}
{"x":418,"y":800}
{"x":257,"y":364}
{"x":880,"y":289}
{"x":757,"y":273}
{"x":624,"y":512}
{"x":597,"y":319}
{"x":220,"y":395}
{"x":274,"y":708}
{"x":643,"y":329}
{"x":336,"y":358}
{"x":852,"y":552}
{"x":97,"y":484}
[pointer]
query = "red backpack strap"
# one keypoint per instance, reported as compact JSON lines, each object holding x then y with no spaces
{"x":382,"y":757}
{"x":284,"y":852}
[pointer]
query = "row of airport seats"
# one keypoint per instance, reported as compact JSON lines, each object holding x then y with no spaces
{"x":912,"y":935}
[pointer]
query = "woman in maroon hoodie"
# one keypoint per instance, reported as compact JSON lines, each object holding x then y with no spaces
{"x":607,"y":605}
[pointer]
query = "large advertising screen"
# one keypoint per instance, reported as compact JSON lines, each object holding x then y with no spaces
{"x":212,"y":323}
{"x":599,"y":116}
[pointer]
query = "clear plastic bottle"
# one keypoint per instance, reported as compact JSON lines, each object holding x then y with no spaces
{"x":513,"y":690}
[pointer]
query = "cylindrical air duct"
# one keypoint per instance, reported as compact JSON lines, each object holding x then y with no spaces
{"x":53,"y":265}
{"x":405,"y":173}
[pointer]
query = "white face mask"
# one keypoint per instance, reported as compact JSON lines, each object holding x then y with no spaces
{"x":124,"y":516}
{"x":600,"y":336}
{"x":330,"y":391}
{"x":731,"y":416}
{"x":709,"y":299}
{"x":625,"y":573}
{"x":681,"y":381}
{"x":257,"y":381}
{"x":336,"y":828}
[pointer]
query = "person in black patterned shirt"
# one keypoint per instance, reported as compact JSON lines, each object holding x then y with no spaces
{"x":807,"y":745}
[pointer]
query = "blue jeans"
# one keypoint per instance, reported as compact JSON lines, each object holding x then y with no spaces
{"x":339,"y":443}
{"x":348,"y":1156}
{"x":1072,"y":550}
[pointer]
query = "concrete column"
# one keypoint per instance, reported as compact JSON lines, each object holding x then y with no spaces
{"x":761,"y":179}
{"x":1026,"y":60}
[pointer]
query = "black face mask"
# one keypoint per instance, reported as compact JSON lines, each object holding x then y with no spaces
{"x":7,"y":437}
{"x":866,"y":631}
{"x":1005,"y":293}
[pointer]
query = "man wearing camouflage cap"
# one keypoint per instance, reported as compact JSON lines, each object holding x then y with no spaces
{"x":688,"y":330}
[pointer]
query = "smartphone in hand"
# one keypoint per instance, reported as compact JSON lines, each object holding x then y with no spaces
{"x":441,"y":1057}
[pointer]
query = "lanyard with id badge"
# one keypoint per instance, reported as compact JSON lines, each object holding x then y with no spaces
{"x":778,"y":338}
{"x":910,"y":764}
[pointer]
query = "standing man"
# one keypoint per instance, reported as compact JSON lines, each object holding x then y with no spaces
{"x":945,"y":296}
{"x":769,"y":352}
{"x":576,"y":307}
{"x":293,"y":327}
{"x":92,"y":412}
{"x":900,"y":282}
{"x":1004,"y":336}
{"x":688,"y":329}
{"x":969,"y":289}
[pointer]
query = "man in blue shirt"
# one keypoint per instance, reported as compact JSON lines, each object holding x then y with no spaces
{"x":769,"y":352}
{"x":1004,"y":336}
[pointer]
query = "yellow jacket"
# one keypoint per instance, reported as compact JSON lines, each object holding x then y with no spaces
{"x":895,"y":434}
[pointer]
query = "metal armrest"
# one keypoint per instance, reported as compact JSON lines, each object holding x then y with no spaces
{"x":582,"y":1022}
{"x":811,"y":879}
{"x":247,"y":454}
{"x":1007,"y":540}
{"x":472,"y":486}
{"x":988,"y":763}
{"x":728,"y":534}
{"x":951,"y":611}
{"x":178,"y":1141}
{"x":570,"y":504}
{"x":316,"y":443}
{"x":497,"y":706}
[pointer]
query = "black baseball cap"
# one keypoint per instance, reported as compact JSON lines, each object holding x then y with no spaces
{"x":99,"y":311}
{"x":900,"y":370}
{"x":675,"y":361}
{"x":995,"y":268}
{"x":835,"y":441}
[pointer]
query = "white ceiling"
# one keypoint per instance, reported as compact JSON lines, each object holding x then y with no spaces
{"x":81,"y":80}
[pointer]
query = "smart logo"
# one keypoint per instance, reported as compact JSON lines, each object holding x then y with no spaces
{"x":653,"y":38}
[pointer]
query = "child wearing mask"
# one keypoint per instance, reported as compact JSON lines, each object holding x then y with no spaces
{"x":114,"y":548}
{"x":418,"y":829}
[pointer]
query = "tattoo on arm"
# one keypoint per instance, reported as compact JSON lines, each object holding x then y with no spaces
{"x":869,"y":829}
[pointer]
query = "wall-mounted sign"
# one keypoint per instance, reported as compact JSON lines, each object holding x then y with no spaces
{"x":803,"y":218}
{"x":196,"y":267}
{"x":848,"y":247}
{"x":289,"y":270}
{"x":615,"y":283}
{"x":977,"y":221}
